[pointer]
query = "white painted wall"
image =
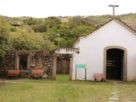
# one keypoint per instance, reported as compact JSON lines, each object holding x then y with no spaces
{"x":77,"y":45}
{"x":92,"y":50}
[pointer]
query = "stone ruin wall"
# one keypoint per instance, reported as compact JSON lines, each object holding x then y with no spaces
{"x":63,"y":64}
{"x":42,"y":60}
{"x":36,"y":60}
{"x":7,"y":62}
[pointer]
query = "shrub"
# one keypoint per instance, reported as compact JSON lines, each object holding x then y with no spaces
{"x":31,"y":21}
{"x":57,"y":20}
{"x":39,"y":28}
{"x":50,"y":24}
{"x":13,"y":29}
{"x":26,"y":38}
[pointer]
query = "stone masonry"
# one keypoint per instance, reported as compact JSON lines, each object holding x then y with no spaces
{"x":63,"y":64}
{"x":36,"y":60}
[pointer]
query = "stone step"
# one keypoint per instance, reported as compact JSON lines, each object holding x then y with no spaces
{"x":113,"y":101}
{"x":116,"y":91}
{"x":113,"y":98}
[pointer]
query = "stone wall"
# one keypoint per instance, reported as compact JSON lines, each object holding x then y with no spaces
{"x":63,"y":64}
{"x":36,"y":60}
{"x":7,"y":62}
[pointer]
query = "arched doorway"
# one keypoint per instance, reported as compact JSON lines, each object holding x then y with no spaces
{"x":115,"y":63}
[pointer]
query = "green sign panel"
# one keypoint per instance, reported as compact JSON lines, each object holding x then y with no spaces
{"x":80,"y":66}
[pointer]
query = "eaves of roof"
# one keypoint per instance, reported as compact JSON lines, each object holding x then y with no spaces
{"x":116,"y":19}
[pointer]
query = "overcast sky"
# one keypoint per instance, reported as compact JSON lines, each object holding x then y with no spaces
{"x":45,"y":8}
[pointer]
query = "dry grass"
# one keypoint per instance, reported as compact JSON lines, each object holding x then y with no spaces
{"x":64,"y":19}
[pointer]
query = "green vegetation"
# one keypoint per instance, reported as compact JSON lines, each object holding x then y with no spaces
{"x":4,"y":37}
{"x":49,"y":33}
{"x":31,"y":21}
{"x":47,"y":90}
{"x":25,"y":38}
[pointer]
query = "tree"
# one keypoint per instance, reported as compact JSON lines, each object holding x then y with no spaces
{"x":31,"y":21}
{"x":26,"y":38}
{"x":76,"y":21}
{"x":52,"y":33}
{"x":48,"y":45}
{"x":50,"y":24}
{"x":57,"y":20}
{"x":39,"y":28}
{"x":64,"y":31}
{"x":81,"y":30}
{"x":67,"y":43}
{"x":4,"y":37}
{"x":91,"y":21}
{"x":58,"y":40}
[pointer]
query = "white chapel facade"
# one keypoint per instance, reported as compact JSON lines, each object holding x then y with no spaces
{"x":110,"y":50}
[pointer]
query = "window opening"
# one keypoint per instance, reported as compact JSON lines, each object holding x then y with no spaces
{"x":23,"y":62}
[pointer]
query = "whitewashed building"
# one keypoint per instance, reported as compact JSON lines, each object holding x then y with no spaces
{"x":110,"y":50}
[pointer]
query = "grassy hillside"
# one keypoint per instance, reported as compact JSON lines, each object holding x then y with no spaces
{"x":130,"y":19}
{"x":52,"y":32}
{"x":20,"y":20}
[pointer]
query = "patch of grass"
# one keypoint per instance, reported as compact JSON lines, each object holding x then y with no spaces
{"x":47,"y":90}
{"x":127,"y":91}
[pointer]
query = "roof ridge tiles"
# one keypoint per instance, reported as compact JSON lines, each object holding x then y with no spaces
{"x":115,"y":18}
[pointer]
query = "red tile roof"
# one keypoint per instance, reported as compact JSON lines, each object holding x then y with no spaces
{"x":120,"y":21}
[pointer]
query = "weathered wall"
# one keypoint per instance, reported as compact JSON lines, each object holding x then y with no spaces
{"x":36,"y":60}
{"x":63,"y":66}
{"x":7,"y":62}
